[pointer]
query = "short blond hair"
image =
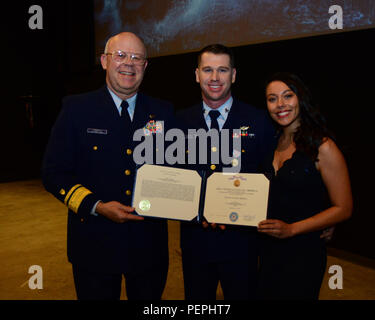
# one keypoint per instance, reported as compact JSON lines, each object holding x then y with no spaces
{"x":109,"y":40}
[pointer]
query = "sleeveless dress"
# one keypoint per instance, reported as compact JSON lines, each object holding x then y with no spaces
{"x":293,"y":268}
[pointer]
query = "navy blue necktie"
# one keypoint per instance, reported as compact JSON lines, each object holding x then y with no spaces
{"x":124,"y":111}
{"x":214,"y":114}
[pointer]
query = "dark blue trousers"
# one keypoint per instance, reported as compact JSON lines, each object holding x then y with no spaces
{"x":238,"y":279}
{"x":93,"y":285}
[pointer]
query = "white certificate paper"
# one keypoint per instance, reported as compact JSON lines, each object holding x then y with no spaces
{"x":239,"y":199}
{"x":166,"y":192}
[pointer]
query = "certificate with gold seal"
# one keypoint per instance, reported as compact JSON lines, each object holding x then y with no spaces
{"x":181,"y":194}
{"x":239,"y":199}
{"x":166,"y":192}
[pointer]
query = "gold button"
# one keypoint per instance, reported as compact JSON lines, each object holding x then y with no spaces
{"x":234,"y":162}
{"x":128,"y":192}
{"x":82,"y":220}
{"x":127,"y":172}
{"x":187,"y":151}
{"x":213,"y":167}
{"x":243,"y":150}
{"x":62,"y":192}
{"x":129,"y":151}
{"x":95,"y":148}
{"x":214,"y":149}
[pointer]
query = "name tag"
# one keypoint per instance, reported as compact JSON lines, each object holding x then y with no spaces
{"x":97,"y":131}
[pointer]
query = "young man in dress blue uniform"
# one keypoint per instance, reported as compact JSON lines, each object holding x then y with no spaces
{"x":229,"y":254}
{"x":89,"y":166}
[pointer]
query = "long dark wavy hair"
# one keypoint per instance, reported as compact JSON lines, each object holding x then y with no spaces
{"x":312,"y":131}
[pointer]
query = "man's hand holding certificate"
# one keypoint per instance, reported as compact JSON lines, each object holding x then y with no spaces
{"x":239,"y":199}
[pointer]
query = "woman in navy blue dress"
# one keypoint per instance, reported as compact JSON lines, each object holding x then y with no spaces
{"x":309,"y":192}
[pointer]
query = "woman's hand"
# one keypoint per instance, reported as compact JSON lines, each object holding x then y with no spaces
{"x":276,"y":228}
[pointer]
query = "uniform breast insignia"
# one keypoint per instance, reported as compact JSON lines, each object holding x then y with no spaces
{"x":244,"y":132}
{"x":153,"y":127}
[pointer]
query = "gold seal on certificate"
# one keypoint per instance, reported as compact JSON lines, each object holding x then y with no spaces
{"x":144,"y":205}
{"x":239,"y":199}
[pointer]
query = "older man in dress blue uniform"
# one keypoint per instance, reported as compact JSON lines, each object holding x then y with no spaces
{"x":89,"y":167}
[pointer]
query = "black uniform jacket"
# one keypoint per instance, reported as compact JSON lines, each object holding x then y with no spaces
{"x":257,"y":139}
{"x":89,"y":157}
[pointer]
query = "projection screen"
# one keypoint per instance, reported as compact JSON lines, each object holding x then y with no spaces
{"x":178,"y":26}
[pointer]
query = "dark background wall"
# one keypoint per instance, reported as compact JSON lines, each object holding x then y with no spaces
{"x":59,"y":60}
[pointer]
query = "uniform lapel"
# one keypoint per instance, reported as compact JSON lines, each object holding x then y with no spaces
{"x":198,"y":114}
{"x":234,"y":117}
{"x":142,"y":113}
{"x":109,"y":112}
{"x":107,"y":103}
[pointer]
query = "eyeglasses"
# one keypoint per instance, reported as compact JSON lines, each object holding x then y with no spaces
{"x":120,"y":56}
